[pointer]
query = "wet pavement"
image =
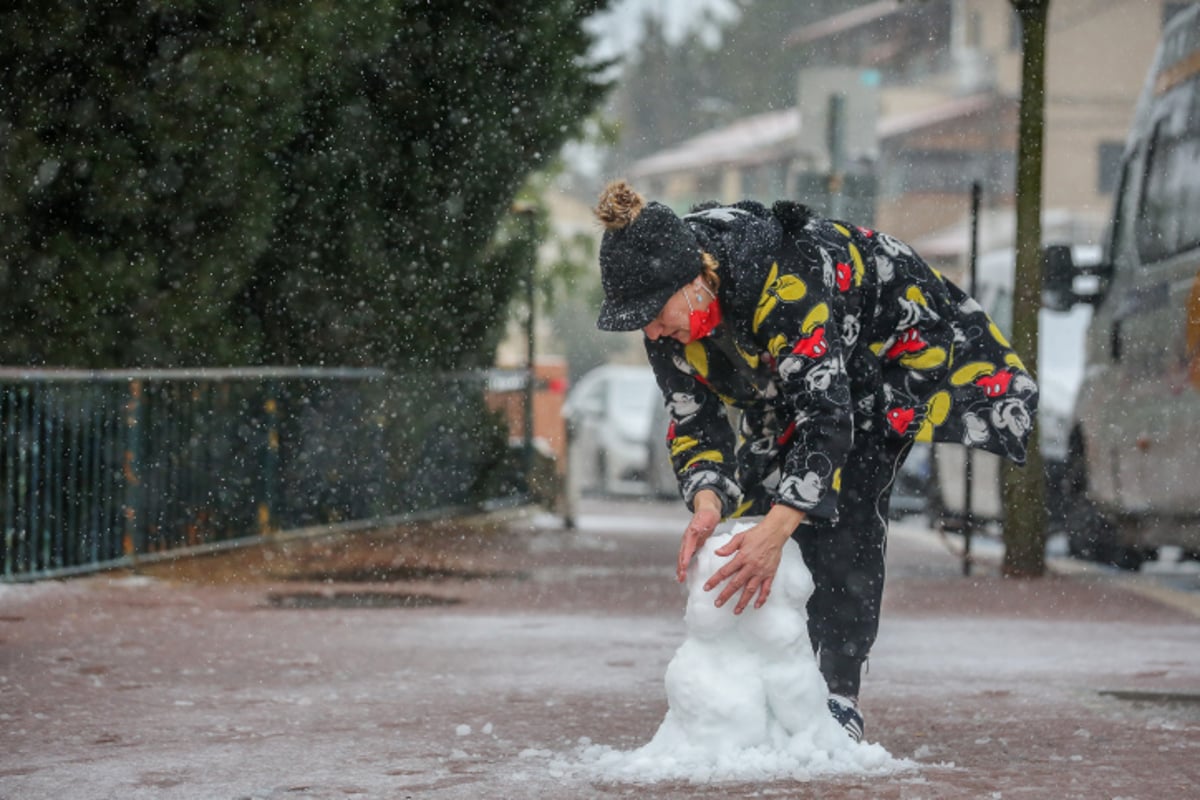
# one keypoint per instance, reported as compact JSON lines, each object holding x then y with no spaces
{"x":464,"y":660}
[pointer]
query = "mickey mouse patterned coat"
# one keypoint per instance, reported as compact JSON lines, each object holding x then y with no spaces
{"x":831,"y":333}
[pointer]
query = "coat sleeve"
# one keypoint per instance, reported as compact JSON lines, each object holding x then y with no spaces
{"x":700,"y":437}
{"x":798,"y":318}
{"x":948,"y":373}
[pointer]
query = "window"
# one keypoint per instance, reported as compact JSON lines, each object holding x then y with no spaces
{"x":1169,"y":216}
{"x":1014,"y":30}
{"x":1125,"y":207}
{"x":1108,"y":163}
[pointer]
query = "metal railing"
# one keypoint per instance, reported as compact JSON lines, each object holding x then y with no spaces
{"x":103,"y":468}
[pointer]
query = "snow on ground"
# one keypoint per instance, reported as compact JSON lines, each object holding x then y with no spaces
{"x":119,"y":687}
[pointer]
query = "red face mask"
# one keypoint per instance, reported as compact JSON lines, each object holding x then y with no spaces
{"x":703,"y":321}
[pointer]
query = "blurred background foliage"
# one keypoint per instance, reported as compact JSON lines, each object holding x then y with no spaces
{"x":673,"y":90}
{"x":219,"y":182}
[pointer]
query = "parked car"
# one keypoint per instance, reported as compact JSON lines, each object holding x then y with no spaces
{"x":618,"y":433}
{"x":1134,"y":447}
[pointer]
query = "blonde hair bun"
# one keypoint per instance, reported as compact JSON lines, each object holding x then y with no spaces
{"x":619,"y":205}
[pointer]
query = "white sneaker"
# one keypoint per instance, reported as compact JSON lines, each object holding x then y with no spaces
{"x":845,"y":711}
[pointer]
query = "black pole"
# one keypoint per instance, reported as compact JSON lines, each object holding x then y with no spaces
{"x":530,"y":356}
{"x":836,"y":139}
{"x":968,"y":467}
{"x":528,"y":214}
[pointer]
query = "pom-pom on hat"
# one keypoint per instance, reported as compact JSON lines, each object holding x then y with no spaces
{"x":647,"y":254}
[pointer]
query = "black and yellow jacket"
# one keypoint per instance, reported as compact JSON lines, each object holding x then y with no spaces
{"x":831,"y":332}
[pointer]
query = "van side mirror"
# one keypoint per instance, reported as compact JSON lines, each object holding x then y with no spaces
{"x":1058,"y":278}
{"x":1066,"y":283}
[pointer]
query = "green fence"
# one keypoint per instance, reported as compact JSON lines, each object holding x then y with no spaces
{"x":100,"y":469}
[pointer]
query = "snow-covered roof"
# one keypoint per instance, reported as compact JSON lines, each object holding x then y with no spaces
{"x":749,"y":140}
{"x":846,"y":21}
{"x":761,"y":137}
{"x":955,"y":108}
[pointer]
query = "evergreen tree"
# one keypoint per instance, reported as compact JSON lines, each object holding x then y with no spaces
{"x":673,"y":91}
{"x":211,"y":182}
{"x":136,"y":148}
{"x":436,"y":130}
{"x":663,"y":92}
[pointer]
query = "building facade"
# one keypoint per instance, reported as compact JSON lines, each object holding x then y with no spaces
{"x":923,"y":100}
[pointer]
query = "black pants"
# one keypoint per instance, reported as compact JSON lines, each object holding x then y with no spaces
{"x":846,"y":560}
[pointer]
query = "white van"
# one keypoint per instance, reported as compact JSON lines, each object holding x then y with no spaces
{"x":1134,"y":451}
{"x":618,"y":433}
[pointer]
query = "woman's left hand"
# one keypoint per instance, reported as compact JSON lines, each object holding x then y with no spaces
{"x":756,"y":554}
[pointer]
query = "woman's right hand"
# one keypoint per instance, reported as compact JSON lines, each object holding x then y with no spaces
{"x":706,"y":515}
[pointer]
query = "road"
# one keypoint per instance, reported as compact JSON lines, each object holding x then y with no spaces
{"x":453,"y":662}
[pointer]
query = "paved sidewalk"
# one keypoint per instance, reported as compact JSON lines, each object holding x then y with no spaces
{"x":477,"y":661}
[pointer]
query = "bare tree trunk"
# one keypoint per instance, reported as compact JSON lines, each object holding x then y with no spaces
{"x":1024,"y":489}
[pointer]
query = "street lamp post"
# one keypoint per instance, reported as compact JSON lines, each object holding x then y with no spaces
{"x":528,"y":213}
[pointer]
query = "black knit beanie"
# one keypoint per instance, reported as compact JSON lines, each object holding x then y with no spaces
{"x":646,"y":255}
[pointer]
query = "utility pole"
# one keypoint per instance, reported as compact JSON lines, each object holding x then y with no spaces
{"x":1025,"y":489}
